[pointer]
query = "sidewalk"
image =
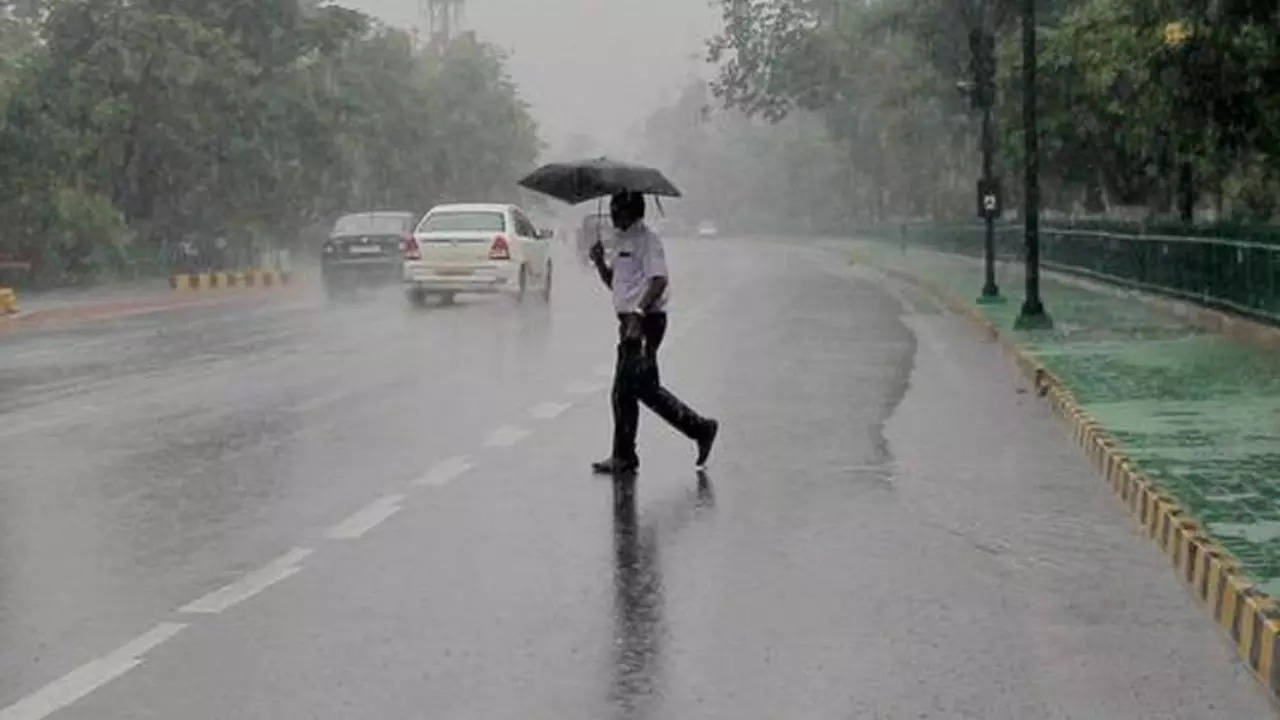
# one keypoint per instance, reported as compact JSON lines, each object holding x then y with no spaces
{"x":1199,"y":413}
{"x":62,"y":308}
{"x":43,"y":300}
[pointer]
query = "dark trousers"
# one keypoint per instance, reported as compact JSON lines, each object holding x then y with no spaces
{"x":635,"y":380}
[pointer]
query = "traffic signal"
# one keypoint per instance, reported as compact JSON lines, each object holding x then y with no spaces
{"x":982,"y":62}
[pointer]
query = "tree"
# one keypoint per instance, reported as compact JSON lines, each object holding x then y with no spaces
{"x":242,"y":118}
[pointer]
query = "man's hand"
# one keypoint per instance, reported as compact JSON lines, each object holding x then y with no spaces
{"x":653,"y":293}
{"x":631,"y":329}
{"x":596,"y":253}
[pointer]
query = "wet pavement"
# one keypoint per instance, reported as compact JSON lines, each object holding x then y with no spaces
{"x":361,"y":509}
{"x":1197,"y":411}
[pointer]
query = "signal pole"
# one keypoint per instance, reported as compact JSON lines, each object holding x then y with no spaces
{"x":983,"y":92}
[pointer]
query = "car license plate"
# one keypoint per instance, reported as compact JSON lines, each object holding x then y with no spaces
{"x":364,"y":249}
{"x":454,"y":271}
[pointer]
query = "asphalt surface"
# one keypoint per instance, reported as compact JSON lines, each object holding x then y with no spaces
{"x":307,"y":509}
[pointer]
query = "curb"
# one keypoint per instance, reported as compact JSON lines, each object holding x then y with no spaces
{"x":66,"y":317}
{"x":219,"y":280}
{"x":1249,"y":617}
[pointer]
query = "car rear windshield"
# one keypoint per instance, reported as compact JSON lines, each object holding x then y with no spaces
{"x":463,"y":222}
{"x":379,"y":224}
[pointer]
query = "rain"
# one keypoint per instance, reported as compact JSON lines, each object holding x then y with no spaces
{"x":638,"y":360}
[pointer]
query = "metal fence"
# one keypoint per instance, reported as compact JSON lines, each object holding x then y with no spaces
{"x":1238,"y":275}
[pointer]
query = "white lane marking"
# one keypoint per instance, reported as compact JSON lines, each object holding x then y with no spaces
{"x":366,"y":518}
{"x":547,"y":410}
{"x":249,"y":585}
{"x":585,"y":387}
{"x":444,"y":472}
{"x":316,"y":403}
{"x":89,"y":677}
{"x":506,"y":436}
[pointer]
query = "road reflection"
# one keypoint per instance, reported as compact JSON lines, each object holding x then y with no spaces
{"x":639,"y":626}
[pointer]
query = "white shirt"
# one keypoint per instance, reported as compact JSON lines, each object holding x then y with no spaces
{"x":638,"y":258}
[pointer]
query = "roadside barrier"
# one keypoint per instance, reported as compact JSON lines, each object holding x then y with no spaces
{"x":254,"y":277}
{"x":8,"y":302}
{"x":1236,"y":275}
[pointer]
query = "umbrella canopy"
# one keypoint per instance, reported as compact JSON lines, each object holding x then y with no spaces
{"x":575,"y":182}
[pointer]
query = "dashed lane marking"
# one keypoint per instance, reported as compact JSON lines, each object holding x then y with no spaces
{"x":586,"y":387}
{"x":548,"y":410}
{"x":89,"y":677}
{"x":317,"y":403}
{"x":249,"y":585}
{"x":444,"y":472}
{"x":506,"y":436}
{"x":366,"y":518}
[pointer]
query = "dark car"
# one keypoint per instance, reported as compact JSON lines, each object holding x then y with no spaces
{"x":365,"y":249}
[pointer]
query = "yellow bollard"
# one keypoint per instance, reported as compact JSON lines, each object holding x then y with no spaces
{"x":8,"y":302}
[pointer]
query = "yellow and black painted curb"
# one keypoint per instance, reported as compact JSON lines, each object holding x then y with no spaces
{"x":8,"y":302}
{"x":1249,"y":617}
{"x":222,"y":280}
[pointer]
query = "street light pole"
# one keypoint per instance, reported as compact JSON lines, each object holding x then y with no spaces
{"x":982,"y":94}
{"x":1033,"y":315}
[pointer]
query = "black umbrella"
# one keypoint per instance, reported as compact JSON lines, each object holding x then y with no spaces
{"x":575,"y":182}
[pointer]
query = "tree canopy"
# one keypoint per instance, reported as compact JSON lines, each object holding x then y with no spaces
{"x":139,"y":123}
{"x":1141,"y":101}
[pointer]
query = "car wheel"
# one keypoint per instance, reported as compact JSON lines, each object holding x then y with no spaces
{"x":447,"y":298}
{"x":522,"y":283}
{"x":546,"y":285}
{"x":418,"y":297}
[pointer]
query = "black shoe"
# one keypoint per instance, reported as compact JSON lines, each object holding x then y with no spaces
{"x":706,"y":441}
{"x":614,"y":466}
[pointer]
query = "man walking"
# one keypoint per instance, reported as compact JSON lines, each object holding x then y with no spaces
{"x":639,"y":283}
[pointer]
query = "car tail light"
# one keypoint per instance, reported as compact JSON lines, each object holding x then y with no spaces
{"x":500,"y":250}
{"x":411,"y":249}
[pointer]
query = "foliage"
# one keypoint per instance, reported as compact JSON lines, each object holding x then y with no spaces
{"x":250,"y":119}
{"x":1141,"y":103}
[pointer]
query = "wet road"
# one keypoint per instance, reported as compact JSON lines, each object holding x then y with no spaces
{"x":366,"y":510}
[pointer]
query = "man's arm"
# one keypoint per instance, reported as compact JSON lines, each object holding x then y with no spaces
{"x":597,"y":257}
{"x":654,"y":259}
{"x":653,"y":293}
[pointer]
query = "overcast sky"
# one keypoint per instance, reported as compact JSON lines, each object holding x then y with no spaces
{"x":587,"y":66}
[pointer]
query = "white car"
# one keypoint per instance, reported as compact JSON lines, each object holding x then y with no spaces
{"x":476,"y":248}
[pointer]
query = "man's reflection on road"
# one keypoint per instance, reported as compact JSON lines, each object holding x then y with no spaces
{"x":638,"y":602}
